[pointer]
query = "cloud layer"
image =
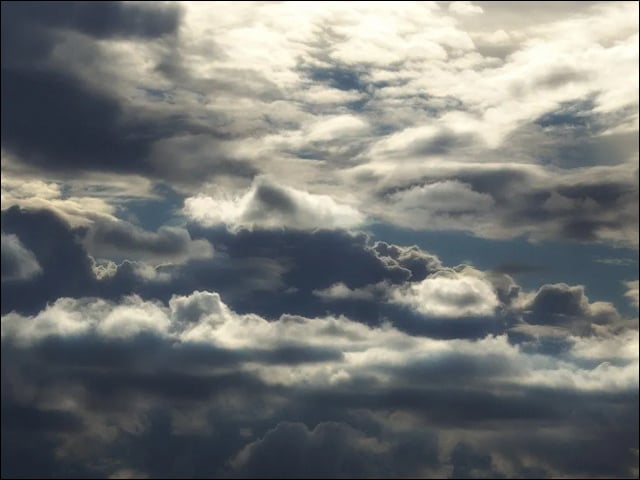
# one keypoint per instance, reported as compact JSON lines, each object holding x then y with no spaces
{"x":301,"y":240}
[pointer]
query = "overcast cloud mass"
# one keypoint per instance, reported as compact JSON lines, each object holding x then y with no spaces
{"x":333,"y":239}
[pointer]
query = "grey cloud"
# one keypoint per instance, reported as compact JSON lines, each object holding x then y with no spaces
{"x":55,"y":119}
{"x":468,"y":463}
{"x":18,"y":263}
{"x":505,"y":201}
{"x":66,"y":269}
{"x":632,"y":292}
{"x":145,"y":370}
{"x":61,"y":255}
{"x":330,"y":450}
{"x":78,"y":127}
{"x":107,"y":19}
{"x":568,"y":306}
{"x":145,"y":375}
{"x":417,"y":261}
{"x":124,"y":240}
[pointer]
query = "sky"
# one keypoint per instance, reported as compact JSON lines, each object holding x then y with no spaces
{"x":319,"y":239}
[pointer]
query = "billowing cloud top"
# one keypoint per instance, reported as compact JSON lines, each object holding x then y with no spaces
{"x":303,"y":240}
{"x":269,"y":205}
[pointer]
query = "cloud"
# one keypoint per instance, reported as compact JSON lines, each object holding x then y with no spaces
{"x":269,"y":205}
{"x":287,"y":127}
{"x":314,"y":92}
{"x":632,"y":292}
{"x":18,"y":263}
{"x":329,"y":450}
{"x":36,"y":195}
{"x":445,"y":294}
{"x":119,"y":239}
{"x":110,"y":19}
{"x":503,"y":201}
{"x":464,"y":8}
{"x":567,"y":306}
{"x":442,"y":205}
{"x":452,"y":295}
{"x":58,"y":253}
{"x":340,"y":393}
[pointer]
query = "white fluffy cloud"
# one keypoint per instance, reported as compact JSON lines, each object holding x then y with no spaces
{"x":446,"y":293}
{"x":449,"y":295}
{"x":269,"y":205}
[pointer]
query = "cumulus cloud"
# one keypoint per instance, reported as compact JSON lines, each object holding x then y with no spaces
{"x":567,"y":306}
{"x":136,"y":138}
{"x":18,"y":262}
{"x":202,"y":318}
{"x":377,"y":391}
{"x":449,"y":295}
{"x":269,"y":205}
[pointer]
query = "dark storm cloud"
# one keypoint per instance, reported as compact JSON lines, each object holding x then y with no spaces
{"x":66,"y":269}
{"x":52,"y":118}
{"x":55,"y":119}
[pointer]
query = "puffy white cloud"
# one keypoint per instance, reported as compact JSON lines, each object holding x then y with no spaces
{"x":449,"y":295}
{"x":446,"y":293}
{"x":269,"y":205}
